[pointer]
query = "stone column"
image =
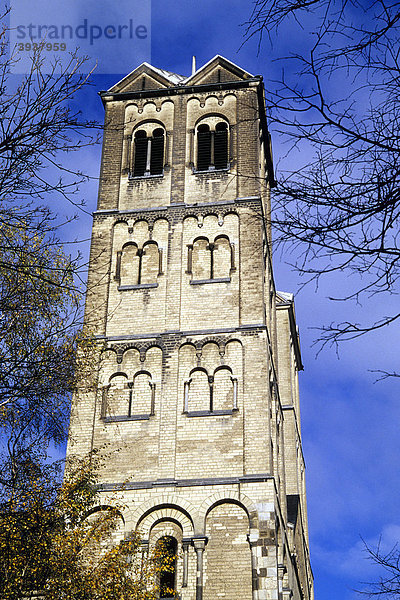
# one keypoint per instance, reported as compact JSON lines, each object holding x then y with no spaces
{"x":144,"y":549}
{"x":185,"y":548}
{"x":199,"y":544}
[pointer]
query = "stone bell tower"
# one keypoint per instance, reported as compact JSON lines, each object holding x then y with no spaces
{"x":196,"y":385}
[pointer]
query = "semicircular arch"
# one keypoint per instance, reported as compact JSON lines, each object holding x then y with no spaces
{"x":232,"y":498}
{"x":211,"y":116}
{"x":138,"y":513}
{"x":165,"y":514}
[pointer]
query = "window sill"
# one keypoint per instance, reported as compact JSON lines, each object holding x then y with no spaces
{"x":211,"y":413}
{"x":140,"y":286}
{"x":211,"y":171}
{"x":218,"y":280}
{"x":141,"y":177}
{"x":120,"y":418}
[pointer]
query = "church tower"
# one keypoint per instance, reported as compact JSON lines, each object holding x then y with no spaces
{"x":196,"y":396}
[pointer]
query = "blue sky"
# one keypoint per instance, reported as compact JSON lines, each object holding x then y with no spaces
{"x":350,"y":424}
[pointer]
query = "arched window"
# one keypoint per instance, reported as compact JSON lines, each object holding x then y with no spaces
{"x":213,"y":394}
{"x":212,"y":145}
{"x":130,"y":265}
{"x":148,"y":151}
{"x":208,"y":261}
{"x":222,"y":258}
{"x":201,"y":259}
{"x":116,"y":396}
{"x":128,"y":400}
{"x":203,"y":147}
{"x":169,"y":548}
{"x":224,"y":390}
{"x":157,"y":152}
{"x":140,"y":153}
{"x":150,"y":265}
{"x":143,"y":394}
{"x":198,"y":388}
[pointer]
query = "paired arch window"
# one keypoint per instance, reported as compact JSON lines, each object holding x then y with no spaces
{"x":148,"y":150}
{"x":212,"y":139}
{"x":138,"y":266}
{"x":128,"y":400}
{"x":211,"y":261}
{"x":211,"y":394}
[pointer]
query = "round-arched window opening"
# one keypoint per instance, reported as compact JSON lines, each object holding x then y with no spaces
{"x":169,"y":548}
{"x":157,"y":152}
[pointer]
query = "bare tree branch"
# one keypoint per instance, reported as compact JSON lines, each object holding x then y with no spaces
{"x":336,"y":105}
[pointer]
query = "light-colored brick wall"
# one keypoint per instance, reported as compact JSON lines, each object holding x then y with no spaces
{"x":228,"y":554}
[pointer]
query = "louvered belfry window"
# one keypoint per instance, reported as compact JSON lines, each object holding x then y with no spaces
{"x":157,"y":152}
{"x":221,"y":146}
{"x":140,"y":153}
{"x":203,"y":148}
{"x":212,"y":146}
{"x":148,"y":153}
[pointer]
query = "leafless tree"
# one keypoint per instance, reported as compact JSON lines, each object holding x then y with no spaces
{"x":337,"y":106}
{"x":39,"y":282}
{"x":387,"y":585}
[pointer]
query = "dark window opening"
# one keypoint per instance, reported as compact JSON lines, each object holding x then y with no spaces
{"x":221,"y":146}
{"x":169,"y":548}
{"x":203,"y":148}
{"x":140,"y":154}
{"x":157,"y":152}
{"x":149,"y":153}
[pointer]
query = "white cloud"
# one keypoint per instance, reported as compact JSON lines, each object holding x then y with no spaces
{"x":354,"y":561}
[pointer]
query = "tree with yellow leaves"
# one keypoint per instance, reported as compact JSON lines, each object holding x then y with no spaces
{"x":55,"y":543}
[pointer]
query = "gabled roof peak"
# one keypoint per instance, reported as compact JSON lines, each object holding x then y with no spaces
{"x":165,"y":78}
{"x":223,"y":62}
{"x":168,"y":78}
